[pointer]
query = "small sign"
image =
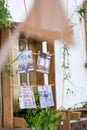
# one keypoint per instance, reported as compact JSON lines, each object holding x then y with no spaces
{"x":43,"y":63}
{"x":26,"y":98}
{"x":25,"y":62}
{"x":46,"y":96}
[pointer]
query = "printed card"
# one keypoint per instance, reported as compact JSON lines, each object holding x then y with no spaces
{"x":25,"y":62}
{"x":46,"y":96}
{"x":43,"y":63}
{"x":26,"y":98}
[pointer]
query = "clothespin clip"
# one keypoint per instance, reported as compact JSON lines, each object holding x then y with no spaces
{"x":24,"y":84}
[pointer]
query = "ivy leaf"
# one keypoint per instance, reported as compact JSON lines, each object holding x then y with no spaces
{"x":82,"y":12}
{"x":9,"y":72}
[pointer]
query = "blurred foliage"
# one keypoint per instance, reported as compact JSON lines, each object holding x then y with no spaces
{"x":4,"y":16}
{"x":41,"y":118}
{"x":82,"y":11}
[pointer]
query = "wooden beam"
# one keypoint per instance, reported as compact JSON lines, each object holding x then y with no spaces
{"x":7,"y":90}
{"x":66,"y":122}
{"x":14,"y":81}
{"x":51,"y":76}
{"x":0,"y":92}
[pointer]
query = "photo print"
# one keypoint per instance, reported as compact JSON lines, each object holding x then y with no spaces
{"x":46,"y":96}
{"x":43,"y":63}
{"x":25,"y":62}
{"x":26,"y":98}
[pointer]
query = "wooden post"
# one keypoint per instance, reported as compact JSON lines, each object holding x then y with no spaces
{"x":51,"y":76}
{"x":7,"y":90}
{"x":66,"y":122}
{"x":0,"y":93}
{"x":14,"y":83}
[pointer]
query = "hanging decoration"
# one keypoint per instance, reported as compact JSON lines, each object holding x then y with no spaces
{"x":46,"y":96}
{"x":25,"y":62}
{"x":43,"y":62}
{"x":26,"y":98}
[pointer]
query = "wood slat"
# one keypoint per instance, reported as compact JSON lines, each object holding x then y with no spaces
{"x":75,"y":115}
{"x":19,"y":122}
{"x":66,"y":122}
{"x":0,"y":92}
{"x":51,"y":76}
{"x":7,"y":90}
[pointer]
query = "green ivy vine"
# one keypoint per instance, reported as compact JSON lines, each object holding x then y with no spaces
{"x":66,"y":68}
{"x":12,"y":62}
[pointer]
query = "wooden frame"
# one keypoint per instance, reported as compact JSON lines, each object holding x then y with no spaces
{"x":9,"y":84}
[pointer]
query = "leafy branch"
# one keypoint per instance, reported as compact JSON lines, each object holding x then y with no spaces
{"x":81,"y":10}
{"x":66,"y":64}
{"x":11,"y":63}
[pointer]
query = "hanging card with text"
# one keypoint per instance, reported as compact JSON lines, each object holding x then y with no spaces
{"x":25,"y":62}
{"x":26,"y":98}
{"x":43,"y":63}
{"x":46,"y":96}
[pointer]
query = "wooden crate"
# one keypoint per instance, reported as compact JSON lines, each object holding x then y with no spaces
{"x":10,"y":84}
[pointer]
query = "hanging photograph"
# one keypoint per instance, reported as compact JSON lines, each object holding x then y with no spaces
{"x":26,"y":98}
{"x":25,"y":62}
{"x":43,"y":62}
{"x":46,"y":96}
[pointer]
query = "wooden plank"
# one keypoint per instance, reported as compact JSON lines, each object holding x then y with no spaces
{"x":19,"y":122}
{"x":40,"y":76}
{"x":66,"y":122}
{"x":81,"y":109}
{"x":33,"y":76}
{"x":75,"y":115}
{"x":23,"y":79}
{"x":81,"y":125}
{"x":22,"y":44}
{"x":61,"y":113}
{"x":7,"y":91}
{"x":36,"y":78}
{"x":51,"y":76}
{"x":14,"y":80}
{"x":0,"y":92}
{"x":1,"y":120}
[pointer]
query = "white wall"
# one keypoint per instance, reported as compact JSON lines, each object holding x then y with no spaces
{"x":17,"y":9}
{"x":77,"y":61}
{"x":77,"y":51}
